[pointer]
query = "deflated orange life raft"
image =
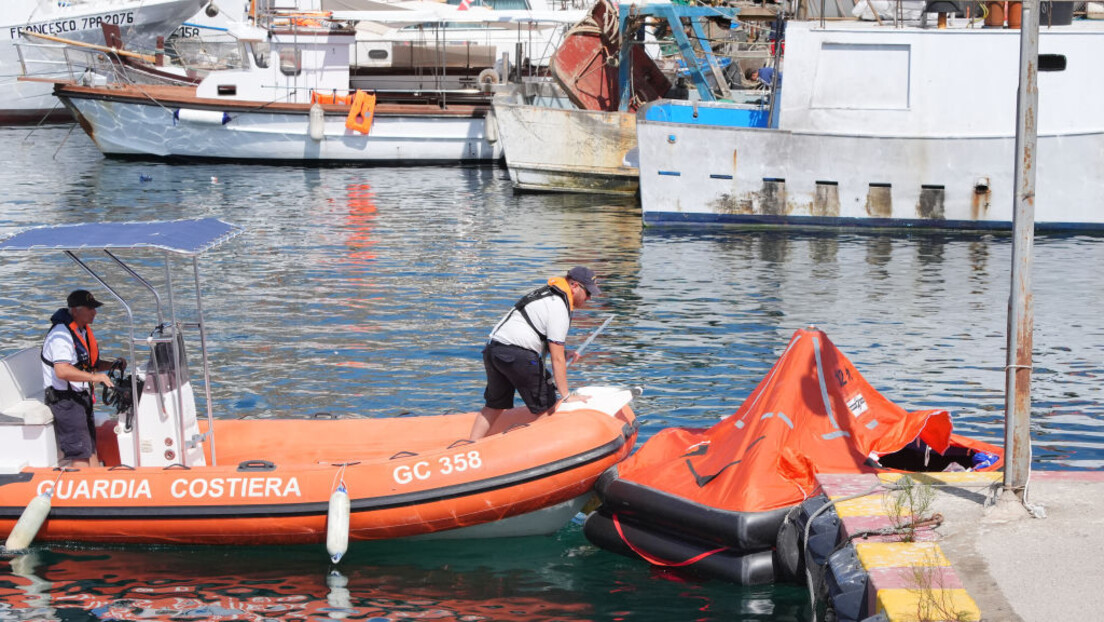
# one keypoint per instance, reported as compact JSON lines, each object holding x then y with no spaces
{"x":728,"y":488}
{"x":405,"y":476}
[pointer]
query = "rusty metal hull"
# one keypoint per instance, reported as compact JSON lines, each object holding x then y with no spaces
{"x":568,"y":150}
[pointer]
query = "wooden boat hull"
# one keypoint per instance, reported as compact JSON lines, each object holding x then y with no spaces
{"x":405,"y":477}
{"x":145,"y":121}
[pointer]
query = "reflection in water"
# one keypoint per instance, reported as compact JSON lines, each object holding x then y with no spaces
{"x":524,"y":579}
{"x":362,"y":216}
{"x":369,"y":292}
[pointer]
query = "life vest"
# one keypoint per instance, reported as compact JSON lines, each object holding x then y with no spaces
{"x":557,"y":286}
{"x":361,"y":112}
{"x":88,"y":352}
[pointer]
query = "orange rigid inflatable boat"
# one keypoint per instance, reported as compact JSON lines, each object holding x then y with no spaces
{"x":404,"y":476}
{"x":165,"y":479}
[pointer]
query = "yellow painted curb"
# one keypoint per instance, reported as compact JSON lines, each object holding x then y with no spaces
{"x":898,"y":554}
{"x":870,"y":505}
{"x":928,"y":605}
{"x":950,"y":477}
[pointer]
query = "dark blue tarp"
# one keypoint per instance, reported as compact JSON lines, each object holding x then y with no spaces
{"x":186,"y":237}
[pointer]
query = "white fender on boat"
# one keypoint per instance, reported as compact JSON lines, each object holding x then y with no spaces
{"x":337,"y":524}
{"x":202,"y":117}
{"x":317,"y":123}
{"x":30,"y":521}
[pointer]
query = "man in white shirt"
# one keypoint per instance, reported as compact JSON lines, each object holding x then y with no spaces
{"x":514,"y":356}
{"x":70,"y":366}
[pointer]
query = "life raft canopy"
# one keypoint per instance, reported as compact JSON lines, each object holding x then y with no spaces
{"x":166,"y":372}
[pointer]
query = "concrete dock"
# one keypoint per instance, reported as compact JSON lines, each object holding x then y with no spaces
{"x":989,"y":559}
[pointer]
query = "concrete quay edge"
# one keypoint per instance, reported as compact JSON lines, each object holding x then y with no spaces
{"x":990,"y":559}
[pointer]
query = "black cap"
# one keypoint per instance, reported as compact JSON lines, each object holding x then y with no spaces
{"x":586,"y":277}
{"x":82,"y":298}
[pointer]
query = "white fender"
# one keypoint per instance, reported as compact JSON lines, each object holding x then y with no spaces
{"x":317,"y":123}
{"x":337,"y":524}
{"x":339,"y":595}
{"x":201,"y":117}
{"x":30,"y":521}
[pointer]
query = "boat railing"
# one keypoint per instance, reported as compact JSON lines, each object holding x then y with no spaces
{"x":181,"y":61}
{"x":915,"y":13}
{"x":53,"y":60}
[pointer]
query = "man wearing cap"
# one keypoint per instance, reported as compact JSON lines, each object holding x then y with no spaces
{"x":514,"y":356}
{"x":70,"y":366}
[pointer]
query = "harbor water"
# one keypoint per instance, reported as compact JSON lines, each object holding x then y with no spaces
{"x":368,"y":292}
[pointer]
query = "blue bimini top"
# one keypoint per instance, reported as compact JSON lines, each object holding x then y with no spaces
{"x":184,"y":237}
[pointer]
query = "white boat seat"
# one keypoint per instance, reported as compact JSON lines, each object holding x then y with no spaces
{"x":21,"y":390}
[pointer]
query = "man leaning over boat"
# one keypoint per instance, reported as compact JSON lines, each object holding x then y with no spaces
{"x":70,"y":367}
{"x":514,"y":356}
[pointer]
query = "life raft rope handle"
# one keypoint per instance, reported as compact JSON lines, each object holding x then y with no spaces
{"x":655,"y":561}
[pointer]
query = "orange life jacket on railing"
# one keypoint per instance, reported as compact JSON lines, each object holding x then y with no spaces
{"x":324,"y":98}
{"x":361,"y":112}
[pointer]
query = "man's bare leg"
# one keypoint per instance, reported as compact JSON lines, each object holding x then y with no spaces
{"x":483,"y":422}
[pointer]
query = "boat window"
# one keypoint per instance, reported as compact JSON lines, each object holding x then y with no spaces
{"x":259,"y":52}
{"x":291,"y":62}
{"x":377,"y":54}
{"x":862,"y":77}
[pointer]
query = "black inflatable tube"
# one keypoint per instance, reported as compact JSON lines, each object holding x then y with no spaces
{"x":744,"y":531}
{"x":744,"y":568}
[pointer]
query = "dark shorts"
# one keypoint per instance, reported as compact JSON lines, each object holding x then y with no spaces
{"x":75,"y":427}
{"x":511,"y":368}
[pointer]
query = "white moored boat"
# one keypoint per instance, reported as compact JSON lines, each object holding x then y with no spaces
{"x":141,"y":22}
{"x":889,"y":126}
{"x":290,"y":102}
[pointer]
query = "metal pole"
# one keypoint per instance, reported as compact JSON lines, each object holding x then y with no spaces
{"x":1017,"y":398}
{"x":182,"y":440}
{"x":144,"y":282}
{"x":206,"y":370}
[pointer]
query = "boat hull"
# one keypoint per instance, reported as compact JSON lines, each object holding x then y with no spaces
{"x":274,"y":489}
{"x":421,"y":134}
{"x":713,"y":175}
{"x":568,"y":150}
{"x":141,"y":24}
{"x":875,"y":129}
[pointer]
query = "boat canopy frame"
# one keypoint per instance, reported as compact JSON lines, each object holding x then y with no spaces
{"x":186,"y":238}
